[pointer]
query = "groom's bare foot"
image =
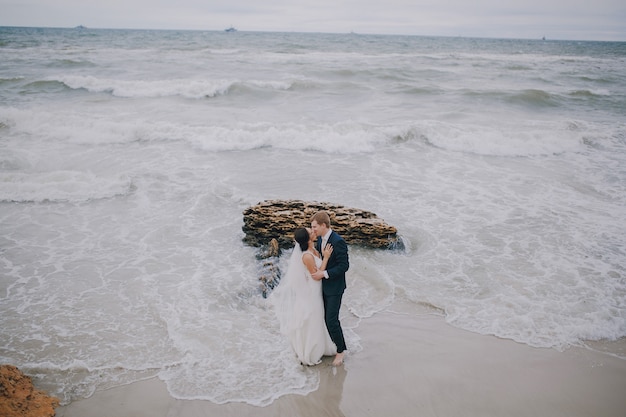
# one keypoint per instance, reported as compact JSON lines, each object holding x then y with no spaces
{"x":338,"y":359}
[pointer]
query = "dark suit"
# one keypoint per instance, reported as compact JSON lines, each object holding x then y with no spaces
{"x":333,"y":287}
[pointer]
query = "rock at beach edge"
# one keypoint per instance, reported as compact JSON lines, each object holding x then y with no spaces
{"x":18,"y":397}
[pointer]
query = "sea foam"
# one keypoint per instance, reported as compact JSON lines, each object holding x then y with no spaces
{"x":60,"y":186}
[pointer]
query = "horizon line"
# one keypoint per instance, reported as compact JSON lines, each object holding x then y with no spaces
{"x":540,"y":38}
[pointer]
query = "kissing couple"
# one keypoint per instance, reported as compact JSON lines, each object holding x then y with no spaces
{"x":308,"y":298}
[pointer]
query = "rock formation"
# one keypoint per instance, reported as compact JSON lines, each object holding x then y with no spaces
{"x":269,"y":225}
{"x":277,"y":219}
{"x":18,"y":398}
{"x":269,"y":271}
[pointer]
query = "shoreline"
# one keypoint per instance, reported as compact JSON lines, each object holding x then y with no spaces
{"x":413,"y":363}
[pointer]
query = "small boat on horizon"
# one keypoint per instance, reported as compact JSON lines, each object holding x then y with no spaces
{"x":230,"y":29}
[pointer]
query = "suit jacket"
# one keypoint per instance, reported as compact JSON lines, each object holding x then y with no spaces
{"x":337,"y":265}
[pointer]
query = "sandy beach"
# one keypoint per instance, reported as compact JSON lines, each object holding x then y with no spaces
{"x":413,"y":363}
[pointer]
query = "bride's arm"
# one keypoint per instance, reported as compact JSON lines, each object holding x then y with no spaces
{"x":327,"y":251}
{"x":309,"y":263}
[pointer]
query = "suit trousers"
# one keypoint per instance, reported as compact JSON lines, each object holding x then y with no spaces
{"x":332,"y":303}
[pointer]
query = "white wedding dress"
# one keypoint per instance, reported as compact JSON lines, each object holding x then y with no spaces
{"x":300,"y":310}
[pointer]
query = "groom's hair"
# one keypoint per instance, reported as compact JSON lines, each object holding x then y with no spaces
{"x":321,"y":217}
{"x":301,"y":236}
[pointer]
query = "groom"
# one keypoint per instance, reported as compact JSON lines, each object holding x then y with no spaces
{"x":333,"y":278}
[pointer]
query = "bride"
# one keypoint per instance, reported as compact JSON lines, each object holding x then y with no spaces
{"x":299,"y":304}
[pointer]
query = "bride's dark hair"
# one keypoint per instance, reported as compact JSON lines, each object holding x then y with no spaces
{"x":301,"y":236}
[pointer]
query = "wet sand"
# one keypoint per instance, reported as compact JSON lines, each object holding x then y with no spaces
{"x":414,"y":364}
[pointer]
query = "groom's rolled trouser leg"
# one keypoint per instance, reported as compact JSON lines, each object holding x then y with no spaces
{"x":332,"y":303}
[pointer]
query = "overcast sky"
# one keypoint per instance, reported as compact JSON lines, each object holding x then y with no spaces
{"x":554,"y":19}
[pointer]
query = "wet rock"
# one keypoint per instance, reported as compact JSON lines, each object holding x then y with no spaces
{"x":277,"y":219}
{"x":269,"y":275}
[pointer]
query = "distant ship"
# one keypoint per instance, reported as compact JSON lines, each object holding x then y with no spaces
{"x":230,"y":29}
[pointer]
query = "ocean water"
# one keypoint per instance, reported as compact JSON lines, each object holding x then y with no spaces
{"x":127,"y":158}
